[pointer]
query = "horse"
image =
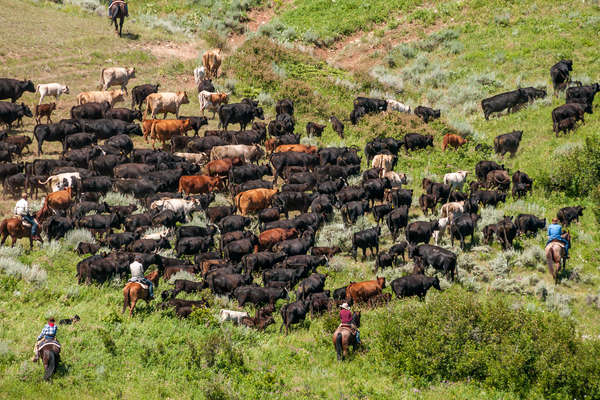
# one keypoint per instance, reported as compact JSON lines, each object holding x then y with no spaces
{"x":343,"y":337}
{"x":555,"y":253}
{"x":14,"y":228}
{"x":50,"y":355}
{"x":117,"y":10}
{"x":133,"y":291}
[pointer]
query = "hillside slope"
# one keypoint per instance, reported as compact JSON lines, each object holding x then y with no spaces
{"x":479,"y":52}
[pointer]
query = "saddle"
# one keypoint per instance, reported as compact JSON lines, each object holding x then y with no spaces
{"x":141,"y":281}
{"x":23,"y":221}
{"x":348,"y":327}
{"x":555,"y":241}
{"x":49,"y":342}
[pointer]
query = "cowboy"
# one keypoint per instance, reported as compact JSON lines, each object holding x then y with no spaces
{"x":48,"y":333}
{"x":118,"y":1}
{"x":137,"y":275}
{"x":555,"y":233}
{"x":346,"y":320}
{"x":22,"y":211}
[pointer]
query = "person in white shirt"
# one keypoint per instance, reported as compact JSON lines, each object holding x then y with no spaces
{"x":137,"y":274}
{"x":22,"y":210}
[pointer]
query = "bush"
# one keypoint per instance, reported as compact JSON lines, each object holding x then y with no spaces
{"x":457,"y":336}
{"x":76,"y":236}
{"x":34,"y":274}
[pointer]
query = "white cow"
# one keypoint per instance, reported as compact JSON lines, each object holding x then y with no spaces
{"x":456,"y":179}
{"x":234,"y":316}
{"x":385,"y":161}
{"x":196,"y":158}
{"x":165,"y":102}
{"x":394,"y":177}
{"x":437,"y":235}
{"x":397,"y":106}
{"x":95,"y":96}
{"x":176,"y":205}
{"x":199,"y":74}
{"x":157,"y":235}
{"x":211,"y":101}
{"x":449,"y":209}
{"x":116,"y":76}
{"x":51,"y":89}
{"x":61,"y":181}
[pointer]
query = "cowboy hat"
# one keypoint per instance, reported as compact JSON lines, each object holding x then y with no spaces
{"x":345,"y":306}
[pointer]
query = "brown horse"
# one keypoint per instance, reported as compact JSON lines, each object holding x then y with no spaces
{"x":14,"y":228}
{"x":343,"y":337}
{"x":555,"y":253}
{"x":50,"y":355}
{"x":133,"y":291}
{"x":117,"y":10}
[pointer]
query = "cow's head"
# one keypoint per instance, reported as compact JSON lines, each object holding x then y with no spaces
{"x":183,"y":98}
{"x":26,"y":110}
{"x":131,"y":72}
{"x":381,"y":281}
{"x":580,"y":210}
{"x":28,"y":86}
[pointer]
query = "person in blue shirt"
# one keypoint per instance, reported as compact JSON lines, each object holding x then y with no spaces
{"x":555,"y":233}
{"x":48,"y":333}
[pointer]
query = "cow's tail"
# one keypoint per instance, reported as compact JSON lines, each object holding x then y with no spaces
{"x":283,"y":317}
{"x":102,"y":78}
{"x":37,"y":88}
{"x":46,"y":181}
{"x":147,"y":107}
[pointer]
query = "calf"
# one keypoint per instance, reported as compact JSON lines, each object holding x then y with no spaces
{"x":51,"y":89}
{"x":427,"y":203}
{"x":507,"y":143}
{"x":315,"y":129}
{"x":233,"y":316}
{"x":368,"y":238}
{"x":44,"y":110}
{"x":427,"y":114}
{"x":337,"y":126}
{"x":453,"y":141}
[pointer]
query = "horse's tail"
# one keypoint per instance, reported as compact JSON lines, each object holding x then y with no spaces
{"x":125,"y":298}
{"x":339,"y":349}
{"x":550,"y":260}
{"x":51,"y":365}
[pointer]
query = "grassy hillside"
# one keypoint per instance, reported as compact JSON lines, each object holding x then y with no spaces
{"x":450,"y":55}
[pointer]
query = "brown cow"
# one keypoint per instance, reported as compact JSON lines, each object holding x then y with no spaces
{"x":170,"y":271}
{"x":164,"y":130}
{"x":253,"y":200}
{"x":363,"y":291}
{"x":270,"y":145}
{"x":301,"y":148}
{"x":147,"y":127}
{"x":60,"y":200}
{"x":211,"y":101}
{"x":44,"y":110}
{"x":498,"y":179}
{"x":222,"y":167}
{"x":193,"y":184}
{"x":452,"y":140}
{"x":270,"y":237}
{"x":211,"y":59}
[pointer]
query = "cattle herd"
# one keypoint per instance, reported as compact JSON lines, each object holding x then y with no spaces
{"x":248,"y":241}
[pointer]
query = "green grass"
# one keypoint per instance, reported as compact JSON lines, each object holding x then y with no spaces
{"x":488,"y":47}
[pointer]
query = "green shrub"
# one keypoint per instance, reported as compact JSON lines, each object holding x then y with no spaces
{"x":457,"y":336}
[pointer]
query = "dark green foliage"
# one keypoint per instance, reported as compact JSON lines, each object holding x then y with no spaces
{"x":457,"y":336}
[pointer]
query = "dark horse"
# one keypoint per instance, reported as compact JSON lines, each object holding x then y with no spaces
{"x":555,"y":253}
{"x":14,"y":228}
{"x":50,"y":355}
{"x":343,"y":337}
{"x":117,"y":10}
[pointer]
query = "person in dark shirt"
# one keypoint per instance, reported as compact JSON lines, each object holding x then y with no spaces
{"x":48,"y":333}
{"x":346,"y":319}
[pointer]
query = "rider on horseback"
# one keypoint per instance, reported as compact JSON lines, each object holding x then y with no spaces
{"x":137,"y":275}
{"x":48,"y":333}
{"x":117,"y":1}
{"x":22,"y":211}
{"x":346,"y":319}
{"x":555,"y":233}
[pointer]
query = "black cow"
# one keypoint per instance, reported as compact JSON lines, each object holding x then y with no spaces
{"x":56,"y":227}
{"x":183,"y":285}
{"x":427,"y":203}
{"x":124,"y":114}
{"x":254,"y":184}
{"x":384,"y":259}
{"x":87,"y":248}
{"x":169,"y":218}
{"x":368,"y":238}
{"x":489,"y":197}
{"x":140,"y":92}
{"x":352,"y":210}
{"x":91,"y":110}
{"x":568,"y":214}
{"x":204,"y":144}
{"x":337,"y":126}
{"x":206,"y":85}
{"x":567,"y":111}
{"x":350,"y":193}
{"x":414,"y":141}
{"x":220,"y":283}
{"x":11,"y":112}
{"x":441,"y":259}
{"x":284,"y":106}
{"x":427,"y":114}
{"x":340,"y":293}
{"x":13,"y":89}
{"x":439,"y":191}
{"x":375,"y":189}
{"x":322,"y":205}
{"x":380,"y":212}
{"x":315,"y":129}
{"x":81,"y":208}
{"x":587,"y":92}
{"x":484,"y":167}
{"x":303,"y":178}
{"x":261,"y":261}
{"x":233,"y":223}
{"x":380,"y":145}
{"x":506,"y":231}
{"x":330,"y":187}
{"x":414,"y":285}
{"x":509,"y":100}
{"x":292,"y":201}
{"x":371,"y":105}
{"x":584,"y":102}
{"x":420,"y":231}
{"x":195,"y":122}
{"x":529,"y":224}
{"x":79,"y":140}
{"x":118,"y":240}
{"x":241,"y":113}
{"x":559,"y":73}
{"x":149,"y":245}
{"x":292,"y":158}
{"x":293,"y":313}
{"x":121,"y":142}
{"x":507,"y":143}
{"x":294,"y":247}
{"x":100,"y":222}
{"x":396,"y":220}
{"x":399,"y":249}
{"x":106,"y":128}
{"x":98,"y":184}
{"x":534,"y":93}
{"x":137,"y":187}
{"x":463,"y":226}
{"x":401,"y":197}
{"x":258,"y":295}
{"x":315,"y":283}
{"x":244,"y":173}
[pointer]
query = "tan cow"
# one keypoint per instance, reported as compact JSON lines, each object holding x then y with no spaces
{"x":300,"y":148}
{"x":112,"y":96}
{"x":211,"y":101}
{"x":253,"y":200}
{"x":211,"y":59}
{"x":196,"y":158}
{"x":116,"y":76}
{"x":166,"y":102}
{"x":384,"y":161}
{"x":164,"y":130}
